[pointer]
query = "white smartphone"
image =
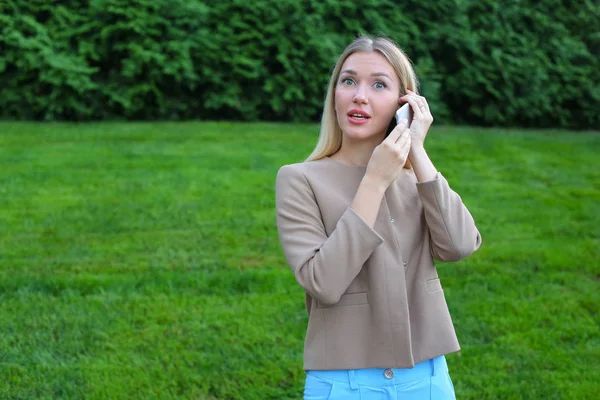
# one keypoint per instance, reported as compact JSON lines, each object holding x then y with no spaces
{"x":404,"y":112}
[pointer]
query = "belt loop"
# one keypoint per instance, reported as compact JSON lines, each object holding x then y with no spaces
{"x":433,"y":369}
{"x":352,"y":379}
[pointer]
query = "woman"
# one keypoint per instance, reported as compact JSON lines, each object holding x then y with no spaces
{"x":360,"y":223}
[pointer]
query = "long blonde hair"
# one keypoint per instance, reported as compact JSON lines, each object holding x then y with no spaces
{"x":330,"y":137}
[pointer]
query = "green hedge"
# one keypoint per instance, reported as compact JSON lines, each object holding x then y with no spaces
{"x":528,"y":63}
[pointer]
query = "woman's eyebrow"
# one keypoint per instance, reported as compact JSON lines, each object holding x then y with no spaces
{"x":382,"y":74}
{"x":352,"y":72}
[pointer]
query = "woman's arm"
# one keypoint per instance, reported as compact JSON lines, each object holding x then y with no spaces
{"x":454,"y":235}
{"x":324,"y":266}
{"x":367,"y":200}
{"x":422,"y":165}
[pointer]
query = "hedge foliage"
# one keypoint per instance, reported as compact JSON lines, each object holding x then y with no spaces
{"x":527,"y":63}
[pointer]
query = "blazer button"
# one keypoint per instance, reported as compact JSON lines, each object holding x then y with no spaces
{"x":388,"y":373}
{"x":392,"y":219}
{"x":405,"y":263}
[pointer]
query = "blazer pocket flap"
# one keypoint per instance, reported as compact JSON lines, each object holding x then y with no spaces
{"x":434,"y":285}
{"x":349,"y":299}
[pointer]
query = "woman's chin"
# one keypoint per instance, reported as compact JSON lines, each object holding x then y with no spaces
{"x":357,"y":134}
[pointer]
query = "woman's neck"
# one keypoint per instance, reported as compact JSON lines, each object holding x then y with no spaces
{"x":355,"y":154}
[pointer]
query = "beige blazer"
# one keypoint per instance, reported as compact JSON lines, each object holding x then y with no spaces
{"x":373,"y":295}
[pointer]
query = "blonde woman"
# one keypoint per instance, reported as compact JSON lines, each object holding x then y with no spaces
{"x":360,"y":223}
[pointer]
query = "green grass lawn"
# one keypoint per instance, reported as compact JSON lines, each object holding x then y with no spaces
{"x":141,"y":261}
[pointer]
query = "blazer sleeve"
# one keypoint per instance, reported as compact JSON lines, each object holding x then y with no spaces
{"x":454,"y":235}
{"x":324,"y":266}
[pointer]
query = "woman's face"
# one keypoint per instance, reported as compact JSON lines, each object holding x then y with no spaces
{"x":366,"y":95}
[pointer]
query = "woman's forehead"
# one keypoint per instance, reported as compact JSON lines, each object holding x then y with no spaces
{"x":368,"y":62}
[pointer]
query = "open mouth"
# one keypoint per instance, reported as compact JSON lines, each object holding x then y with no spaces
{"x":358,"y":116}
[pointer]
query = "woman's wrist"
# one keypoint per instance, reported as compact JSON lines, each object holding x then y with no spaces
{"x":374,"y":184}
{"x":416,"y":146}
{"x":422,"y":165}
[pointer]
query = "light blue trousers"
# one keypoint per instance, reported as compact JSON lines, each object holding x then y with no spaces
{"x":427,"y":380}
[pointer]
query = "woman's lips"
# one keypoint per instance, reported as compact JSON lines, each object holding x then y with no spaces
{"x":357,"y":121}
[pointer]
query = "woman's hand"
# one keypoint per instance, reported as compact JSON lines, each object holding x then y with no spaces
{"x":389,"y":157}
{"x":422,"y":118}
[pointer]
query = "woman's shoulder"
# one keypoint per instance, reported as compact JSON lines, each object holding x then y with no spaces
{"x":324,"y":176}
{"x":305,"y":166}
{"x":298,"y":177}
{"x":322,"y":168}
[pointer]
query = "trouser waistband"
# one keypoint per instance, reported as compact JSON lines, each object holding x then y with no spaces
{"x":385,"y":376}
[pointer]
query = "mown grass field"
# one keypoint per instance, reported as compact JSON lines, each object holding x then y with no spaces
{"x":141,"y":261}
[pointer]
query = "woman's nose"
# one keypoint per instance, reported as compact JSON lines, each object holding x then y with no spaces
{"x":360,"y":95}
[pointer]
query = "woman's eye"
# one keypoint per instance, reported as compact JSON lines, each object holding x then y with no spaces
{"x":379,"y":85}
{"x":347,"y":81}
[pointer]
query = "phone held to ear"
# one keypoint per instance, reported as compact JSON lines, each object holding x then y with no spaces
{"x":404,"y":112}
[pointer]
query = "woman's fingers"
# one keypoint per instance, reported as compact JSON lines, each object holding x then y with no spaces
{"x":406,"y":143}
{"x":403,"y":144}
{"x":417,"y":111}
{"x":404,"y":151}
{"x":426,"y":104}
{"x":423,"y":105}
{"x":395,"y":134}
{"x":404,"y":136}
